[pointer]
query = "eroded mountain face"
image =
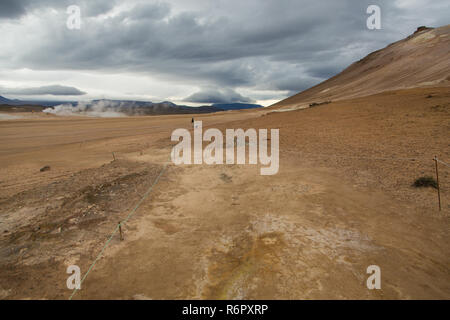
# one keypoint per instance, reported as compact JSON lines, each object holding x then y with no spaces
{"x":420,"y":60}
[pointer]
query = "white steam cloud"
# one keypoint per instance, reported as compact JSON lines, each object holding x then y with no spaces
{"x":101,"y":108}
{"x":120,"y":108}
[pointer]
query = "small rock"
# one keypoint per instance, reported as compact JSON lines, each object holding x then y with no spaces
{"x":46,"y":168}
{"x":4,"y":293}
{"x":56,"y":231}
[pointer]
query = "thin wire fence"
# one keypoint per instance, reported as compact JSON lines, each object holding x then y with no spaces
{"x":118,"y":226}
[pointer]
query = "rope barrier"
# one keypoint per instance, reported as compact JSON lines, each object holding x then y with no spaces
{"x":165,"y":167}
{"x":118,"y":225}
{"x":444,"y":163}
{"x":368,"y":158}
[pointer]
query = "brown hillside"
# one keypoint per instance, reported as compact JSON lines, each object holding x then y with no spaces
{"x":420,"y":60}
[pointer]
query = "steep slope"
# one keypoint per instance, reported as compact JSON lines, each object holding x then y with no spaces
{"x":420,"y":60}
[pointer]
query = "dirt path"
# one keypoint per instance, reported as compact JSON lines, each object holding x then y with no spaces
{"x":302,"y":234}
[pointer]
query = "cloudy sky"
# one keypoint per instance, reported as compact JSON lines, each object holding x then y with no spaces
{"x":192,"y":51}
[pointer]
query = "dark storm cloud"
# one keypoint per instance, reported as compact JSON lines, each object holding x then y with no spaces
{"x":322,"y":71}
{"x":12,"y":8}
{"x":147,"y":11}
{"x":218,"y":96}
{"x":55,"y":90}
{"x":268,"y":45}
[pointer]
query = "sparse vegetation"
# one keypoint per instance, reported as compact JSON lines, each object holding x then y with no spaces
{"x":315,"y":104}
{"x":425,"y":182}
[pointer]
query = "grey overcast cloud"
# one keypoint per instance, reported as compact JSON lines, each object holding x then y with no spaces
{"x":192,"y":52}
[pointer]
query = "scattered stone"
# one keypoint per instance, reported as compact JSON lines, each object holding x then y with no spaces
{"x":46,"y":168}
{"x":4,"y":293}
{"x":226,"y":178}
{"x":56,"y":231}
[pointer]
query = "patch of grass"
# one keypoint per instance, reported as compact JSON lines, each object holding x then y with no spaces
{"x":425,"y":182}
{"x":315,"y":104}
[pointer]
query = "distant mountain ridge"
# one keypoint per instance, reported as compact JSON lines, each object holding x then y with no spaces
{"x":236,"y":106}
{"x":129,"y":107}
{"x":14,"y":102}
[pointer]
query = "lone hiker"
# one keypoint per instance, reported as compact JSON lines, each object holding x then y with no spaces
{"x":192,"y":121}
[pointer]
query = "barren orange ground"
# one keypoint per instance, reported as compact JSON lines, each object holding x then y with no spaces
{"x":341,"y":201}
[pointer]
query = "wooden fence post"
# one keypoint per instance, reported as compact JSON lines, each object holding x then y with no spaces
{"x":437,"y":180}
{"x":120,"y":230}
